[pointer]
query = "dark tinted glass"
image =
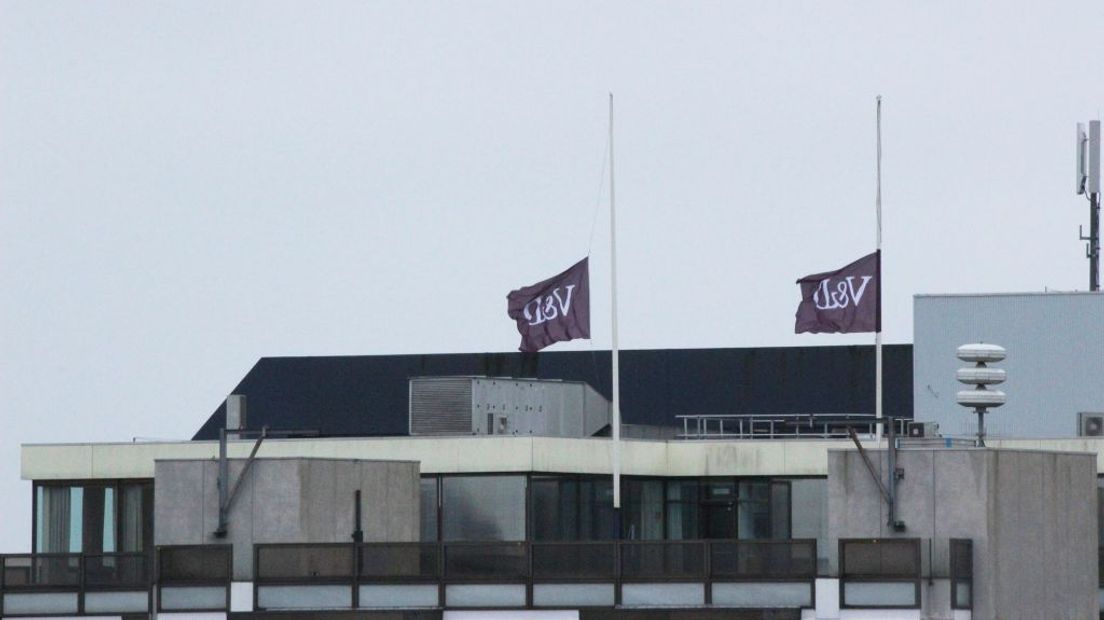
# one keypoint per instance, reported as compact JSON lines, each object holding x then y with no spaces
{"x":780,"y":510}
{"x":555,"y":508}
{"x":596,"y":509}
{"x":643,"y":509}
{"x":754,"y":514}
{"x":483,"y":508}
{"x":428,"y":494}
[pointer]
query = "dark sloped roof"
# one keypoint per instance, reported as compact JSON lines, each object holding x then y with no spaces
{"x":368,"y":395}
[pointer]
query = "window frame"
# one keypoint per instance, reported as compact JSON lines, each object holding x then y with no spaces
{"x":116,"y":484}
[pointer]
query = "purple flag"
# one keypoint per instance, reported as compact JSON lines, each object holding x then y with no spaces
{"x":844,"y":301}
{"x":553,"y":310}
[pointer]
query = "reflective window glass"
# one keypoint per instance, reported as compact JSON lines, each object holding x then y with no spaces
{"x":93,"y":518}
{"x":482,"y":508}
{"x":683,"y":514}
{"x":136,"y":517}
{"x":780,"y":510}
{"x":555,"y":508}
{"x":642,"y":503}
{"x":754,"y":510}
{"x":428,"y":504}
{"x":596,"y":509}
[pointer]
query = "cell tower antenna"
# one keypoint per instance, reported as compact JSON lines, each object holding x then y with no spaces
{"x":1088,"y":183}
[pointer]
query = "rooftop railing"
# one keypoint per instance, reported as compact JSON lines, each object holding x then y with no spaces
{"x":780,"y":426}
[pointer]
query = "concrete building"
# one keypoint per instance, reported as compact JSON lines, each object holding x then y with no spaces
{"x":764,"y":509}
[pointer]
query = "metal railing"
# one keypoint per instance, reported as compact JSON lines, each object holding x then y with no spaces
{"x":532,"y":563}
{"x":72,"y":576}
{"x":204,"y":573}
{"x":891,"y":565}
{"x":72,"y":571}
{"x":195,"y":578}
{"x":780,"y":426}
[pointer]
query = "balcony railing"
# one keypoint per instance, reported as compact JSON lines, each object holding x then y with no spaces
{"x":600,"y":574}
{"x":880,"y":573}
{"x":74,"y":583}
{"x":535,"y":574}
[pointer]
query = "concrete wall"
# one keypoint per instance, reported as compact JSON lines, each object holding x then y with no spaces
{"x":284,"y":501}
{"x":1031,"y":515}
{"x":455,"y":455}
{"x":1055,"y":343}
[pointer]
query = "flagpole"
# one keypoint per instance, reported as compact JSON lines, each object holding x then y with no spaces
{"x":615,"y":406}
{"x":878,"y":330}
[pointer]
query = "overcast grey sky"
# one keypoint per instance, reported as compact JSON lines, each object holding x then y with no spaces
{"x":188,"y":186}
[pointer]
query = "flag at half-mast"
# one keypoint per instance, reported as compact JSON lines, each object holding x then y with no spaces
{"x":847,"y":300}
{"x":553,"y":310}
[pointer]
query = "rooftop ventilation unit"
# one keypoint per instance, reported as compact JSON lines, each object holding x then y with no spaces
{"x":1090,"y":424}
{"x":505,"y":406}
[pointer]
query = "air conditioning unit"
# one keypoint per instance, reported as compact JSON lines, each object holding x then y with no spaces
{"x":919,"y":430}
{"x":1090,"y":424}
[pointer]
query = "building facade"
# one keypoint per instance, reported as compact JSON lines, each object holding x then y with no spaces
{"x":317,"y":507}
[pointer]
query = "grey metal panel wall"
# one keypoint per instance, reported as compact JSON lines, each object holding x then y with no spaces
{"x":529,"y":407}
{"x":597,"y":411}
{"x":441,"y":406}
{"x":1055,"y":362}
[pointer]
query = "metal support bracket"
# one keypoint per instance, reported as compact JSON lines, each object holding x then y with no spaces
{"x":889,"y":494}
{"x":226,"y":496}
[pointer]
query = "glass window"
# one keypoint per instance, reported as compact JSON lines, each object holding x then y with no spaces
{"x":568,"y":508}
{"x":683,"y":515}
{"x":483,"y":508}
{"x":136,"y":517}
{"x":428,"y":494}
{"x":596,"y":509}
{"x":643,"y":509}
{"x":93,"y":518}
{"x":59,"y":519}
{"x":754,"y":510}
{"x":780,"y":510}
{"x":555,"y":508}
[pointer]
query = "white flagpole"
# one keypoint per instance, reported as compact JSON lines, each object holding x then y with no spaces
{"x":878,"y":331}
{"x":615,"y":406}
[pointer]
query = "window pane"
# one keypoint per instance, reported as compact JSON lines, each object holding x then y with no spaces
{"x":682,"y":521}
{"x":682,"y":490}
{"x":780,"y":510}
{"x":596,"y":509}
{"x":136,"y":518}
{"x":76,"y":520}
{"x":481,"y":508}
{"x":754,"y":510}
{"x":428,"y":495}
{"x":643,"y":509}
{"x":683,"y":513}
{"x":98,"y":520}
{"x":54,"y":520}
{"x":555,"y":508}
{"x":107,"y":531}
